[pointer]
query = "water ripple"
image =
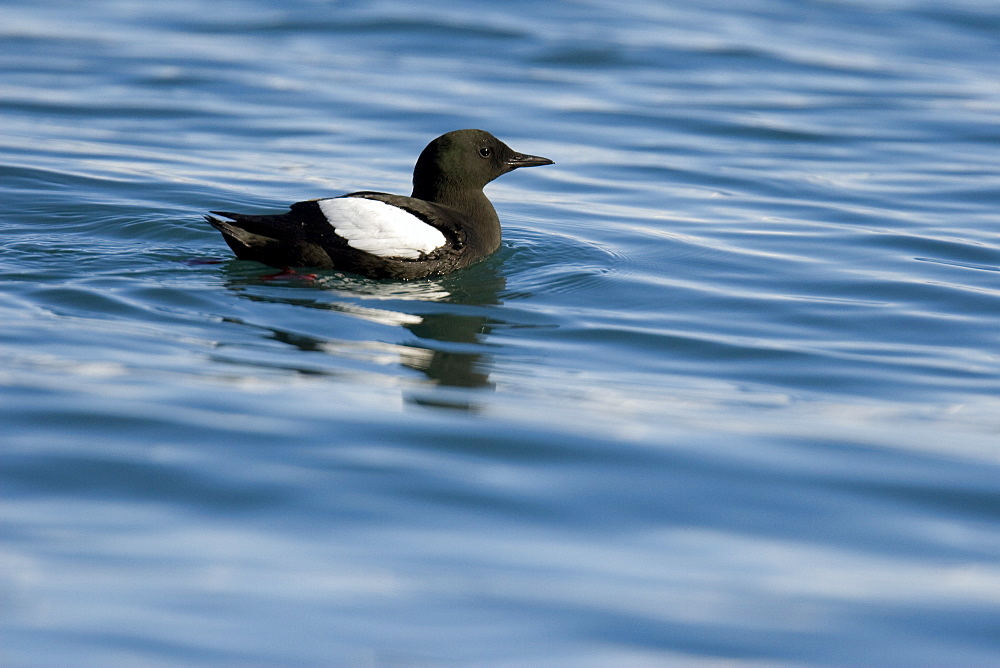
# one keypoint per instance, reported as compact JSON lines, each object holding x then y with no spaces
{"x":748,"y":320}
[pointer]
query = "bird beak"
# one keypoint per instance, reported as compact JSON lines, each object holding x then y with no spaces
{"x":521,"y":160}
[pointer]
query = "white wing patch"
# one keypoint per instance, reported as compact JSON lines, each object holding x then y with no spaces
{"x":379,"y":228}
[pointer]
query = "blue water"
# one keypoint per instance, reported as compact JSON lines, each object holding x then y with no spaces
{"x":729,"y":392}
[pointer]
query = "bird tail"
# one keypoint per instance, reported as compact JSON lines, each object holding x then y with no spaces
{"x":240,"y":240}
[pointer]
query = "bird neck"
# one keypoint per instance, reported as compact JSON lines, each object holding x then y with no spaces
{"x":470,"y":201}
{"x":475,"y":207}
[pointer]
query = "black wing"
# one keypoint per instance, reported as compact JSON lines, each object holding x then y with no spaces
{"x":304,"y":237}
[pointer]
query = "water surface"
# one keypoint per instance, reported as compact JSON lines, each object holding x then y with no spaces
{"x":727,"y":393}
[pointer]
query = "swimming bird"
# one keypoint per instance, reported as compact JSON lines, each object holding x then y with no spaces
{"x":446,"y":224}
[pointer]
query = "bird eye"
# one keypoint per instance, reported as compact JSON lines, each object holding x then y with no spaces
{"x":486,"y":151}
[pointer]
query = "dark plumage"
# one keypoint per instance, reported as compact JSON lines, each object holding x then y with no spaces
{"x":447,"y":223}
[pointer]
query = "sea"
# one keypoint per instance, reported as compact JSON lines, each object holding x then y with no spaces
{"x":727,"y":395}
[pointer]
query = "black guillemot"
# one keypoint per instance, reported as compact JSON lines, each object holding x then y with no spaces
{"x":446,"y":224}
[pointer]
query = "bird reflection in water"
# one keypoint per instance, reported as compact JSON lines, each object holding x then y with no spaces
{"x":449,"y":316}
